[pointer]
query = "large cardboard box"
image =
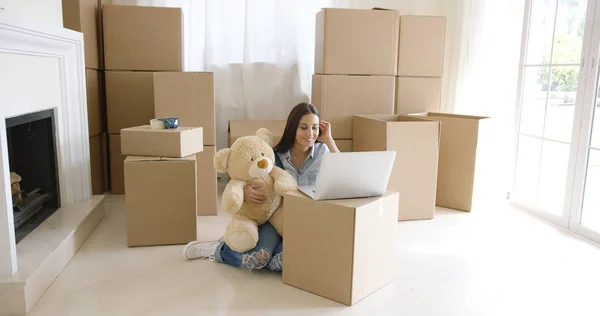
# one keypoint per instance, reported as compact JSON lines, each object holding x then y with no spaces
{"x":189,"y":96}
{"x":340,"y":97}
{"x":129,"y":99}
{"x":207,"y":182}
{"x":340,"y":249}
{"x":95,"y":103}
{"x":98,"y":164}
{"x":82,"y":16}
{"x":415,"y":95}
{"x":357,"y":42}
{"x":457,"y":159}
{"x":142,"y":38}
{"x":117,"y":181}
{"x":421,"y":46}
{"x":176,"y":142}
{"x":414,"y":175}
{"x":160,"y":200}
{"x":344,"y":145}
{"x":237,"y":129}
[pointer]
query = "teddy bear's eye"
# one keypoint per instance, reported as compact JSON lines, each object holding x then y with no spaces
{"x":252,"y":159}
{"x":262,"y":154}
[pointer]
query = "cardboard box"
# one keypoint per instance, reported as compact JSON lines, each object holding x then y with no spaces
{"x":207,"y":182}
{"x":117,"y":180}
{"x":95,"y":103}
{"x":129,"y":99}
{"x":457,"y":159}
{"x":415,"y":95}
{"x":142,"y":38}
{"x":237,"y":129}
{"x":414,"y":175}
{"x":160,"y":200}
{"x":189,"y":96}
{"x":176,"y":143}
{"x":357,"y":42}
{"x":339,"y":98}
{"x":344,"y":145}
{"x":82,"y":16}
{"x":340,"y":249}
{"x":421,"y":46}
{"x":97,"y":164}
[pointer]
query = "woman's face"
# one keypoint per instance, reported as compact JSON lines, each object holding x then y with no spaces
{"x":308,"y":130}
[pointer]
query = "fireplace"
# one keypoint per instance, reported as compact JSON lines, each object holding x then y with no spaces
{"x":31,"y":140}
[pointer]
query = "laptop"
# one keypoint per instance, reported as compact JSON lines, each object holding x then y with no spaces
{"x":352,"y":175}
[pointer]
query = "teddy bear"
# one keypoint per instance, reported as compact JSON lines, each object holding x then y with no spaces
{"x":251,"y":160}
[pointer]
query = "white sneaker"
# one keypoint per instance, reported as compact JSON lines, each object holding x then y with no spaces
{"x":200,"y":250}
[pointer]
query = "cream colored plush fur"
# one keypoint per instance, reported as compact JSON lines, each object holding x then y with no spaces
{"x":252,"y":160}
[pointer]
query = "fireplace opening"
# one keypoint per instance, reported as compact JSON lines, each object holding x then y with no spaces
{"x":34,"y":170}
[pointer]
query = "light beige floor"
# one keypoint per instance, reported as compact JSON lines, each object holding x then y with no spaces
{"x":493,"y":261}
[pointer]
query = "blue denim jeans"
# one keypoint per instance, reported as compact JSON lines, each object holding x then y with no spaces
{"x":266,"y":254}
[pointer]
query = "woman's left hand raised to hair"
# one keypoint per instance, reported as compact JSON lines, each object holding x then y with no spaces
{"x":326,"y":136}
{"x":325,"y":132}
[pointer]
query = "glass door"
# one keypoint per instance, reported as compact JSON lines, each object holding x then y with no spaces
{"x":585,"y":197}
{"x":556,"y":36}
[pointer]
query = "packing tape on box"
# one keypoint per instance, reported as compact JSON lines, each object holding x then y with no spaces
{"x":164,"y":123}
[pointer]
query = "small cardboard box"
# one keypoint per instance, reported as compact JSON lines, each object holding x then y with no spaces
{"x":98,"y":164}
{"x":95,"y":103}
{"x":356,"y":42}
{"x":207,"y":182}
{"x":189,"y":96}
{"x":457,"y":158}
{"x":414,"y":175}
{"x":117,"y":182}
{"x":142,"y":38}
{"x":237,"y":129}
{"x":421,"y":46}
{"x":340,"y":249}
{"x":82,"y":16}
{"x":344,"y":145}
{"x":176,"y":143}
{"x":160,"y":200}
{"x":339,"y":98}
{"x":129,"y":99}
{"x":415,"y":95}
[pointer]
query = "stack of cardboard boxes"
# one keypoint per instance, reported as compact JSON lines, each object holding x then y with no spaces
{"x":161,"y":184}
{"x":145,"y":80}
{"x":356,"y":61}
{"x":84,"y":16}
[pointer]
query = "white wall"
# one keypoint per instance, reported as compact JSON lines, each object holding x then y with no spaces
{"x":43,"y":11}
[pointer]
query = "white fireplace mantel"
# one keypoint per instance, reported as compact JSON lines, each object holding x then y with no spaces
{"x":42,"y":67}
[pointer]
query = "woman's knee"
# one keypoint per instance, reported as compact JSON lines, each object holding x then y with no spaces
{"x":256,"y":260}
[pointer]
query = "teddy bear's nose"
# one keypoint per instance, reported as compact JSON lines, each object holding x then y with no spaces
{"x":263,"y":164}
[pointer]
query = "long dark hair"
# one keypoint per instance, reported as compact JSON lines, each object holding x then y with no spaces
{"x":289,"y":134}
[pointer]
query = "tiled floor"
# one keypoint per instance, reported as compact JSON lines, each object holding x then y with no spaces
{"x":493,"y":261}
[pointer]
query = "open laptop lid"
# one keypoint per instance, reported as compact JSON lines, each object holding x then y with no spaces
{"x":354,"y":174}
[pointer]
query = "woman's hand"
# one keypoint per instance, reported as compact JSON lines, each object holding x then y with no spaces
{"x":325,"y":135}
{"x":252,"y":195}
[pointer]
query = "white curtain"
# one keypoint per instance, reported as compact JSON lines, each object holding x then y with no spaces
{"x":261,"y":51}
{"x":482,"y":80}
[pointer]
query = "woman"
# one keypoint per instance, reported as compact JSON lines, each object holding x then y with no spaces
{"x":299,"y":152}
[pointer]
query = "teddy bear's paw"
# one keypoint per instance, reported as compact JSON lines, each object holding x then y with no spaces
{"x":285,"y":186}
{"x":231,"y":204}
{"x":241,"y":234}
{"x":240,"y":241}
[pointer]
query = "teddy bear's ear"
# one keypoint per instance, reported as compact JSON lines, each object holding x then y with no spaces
{"x":220,"y":160}
{"x":265,"y":135}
